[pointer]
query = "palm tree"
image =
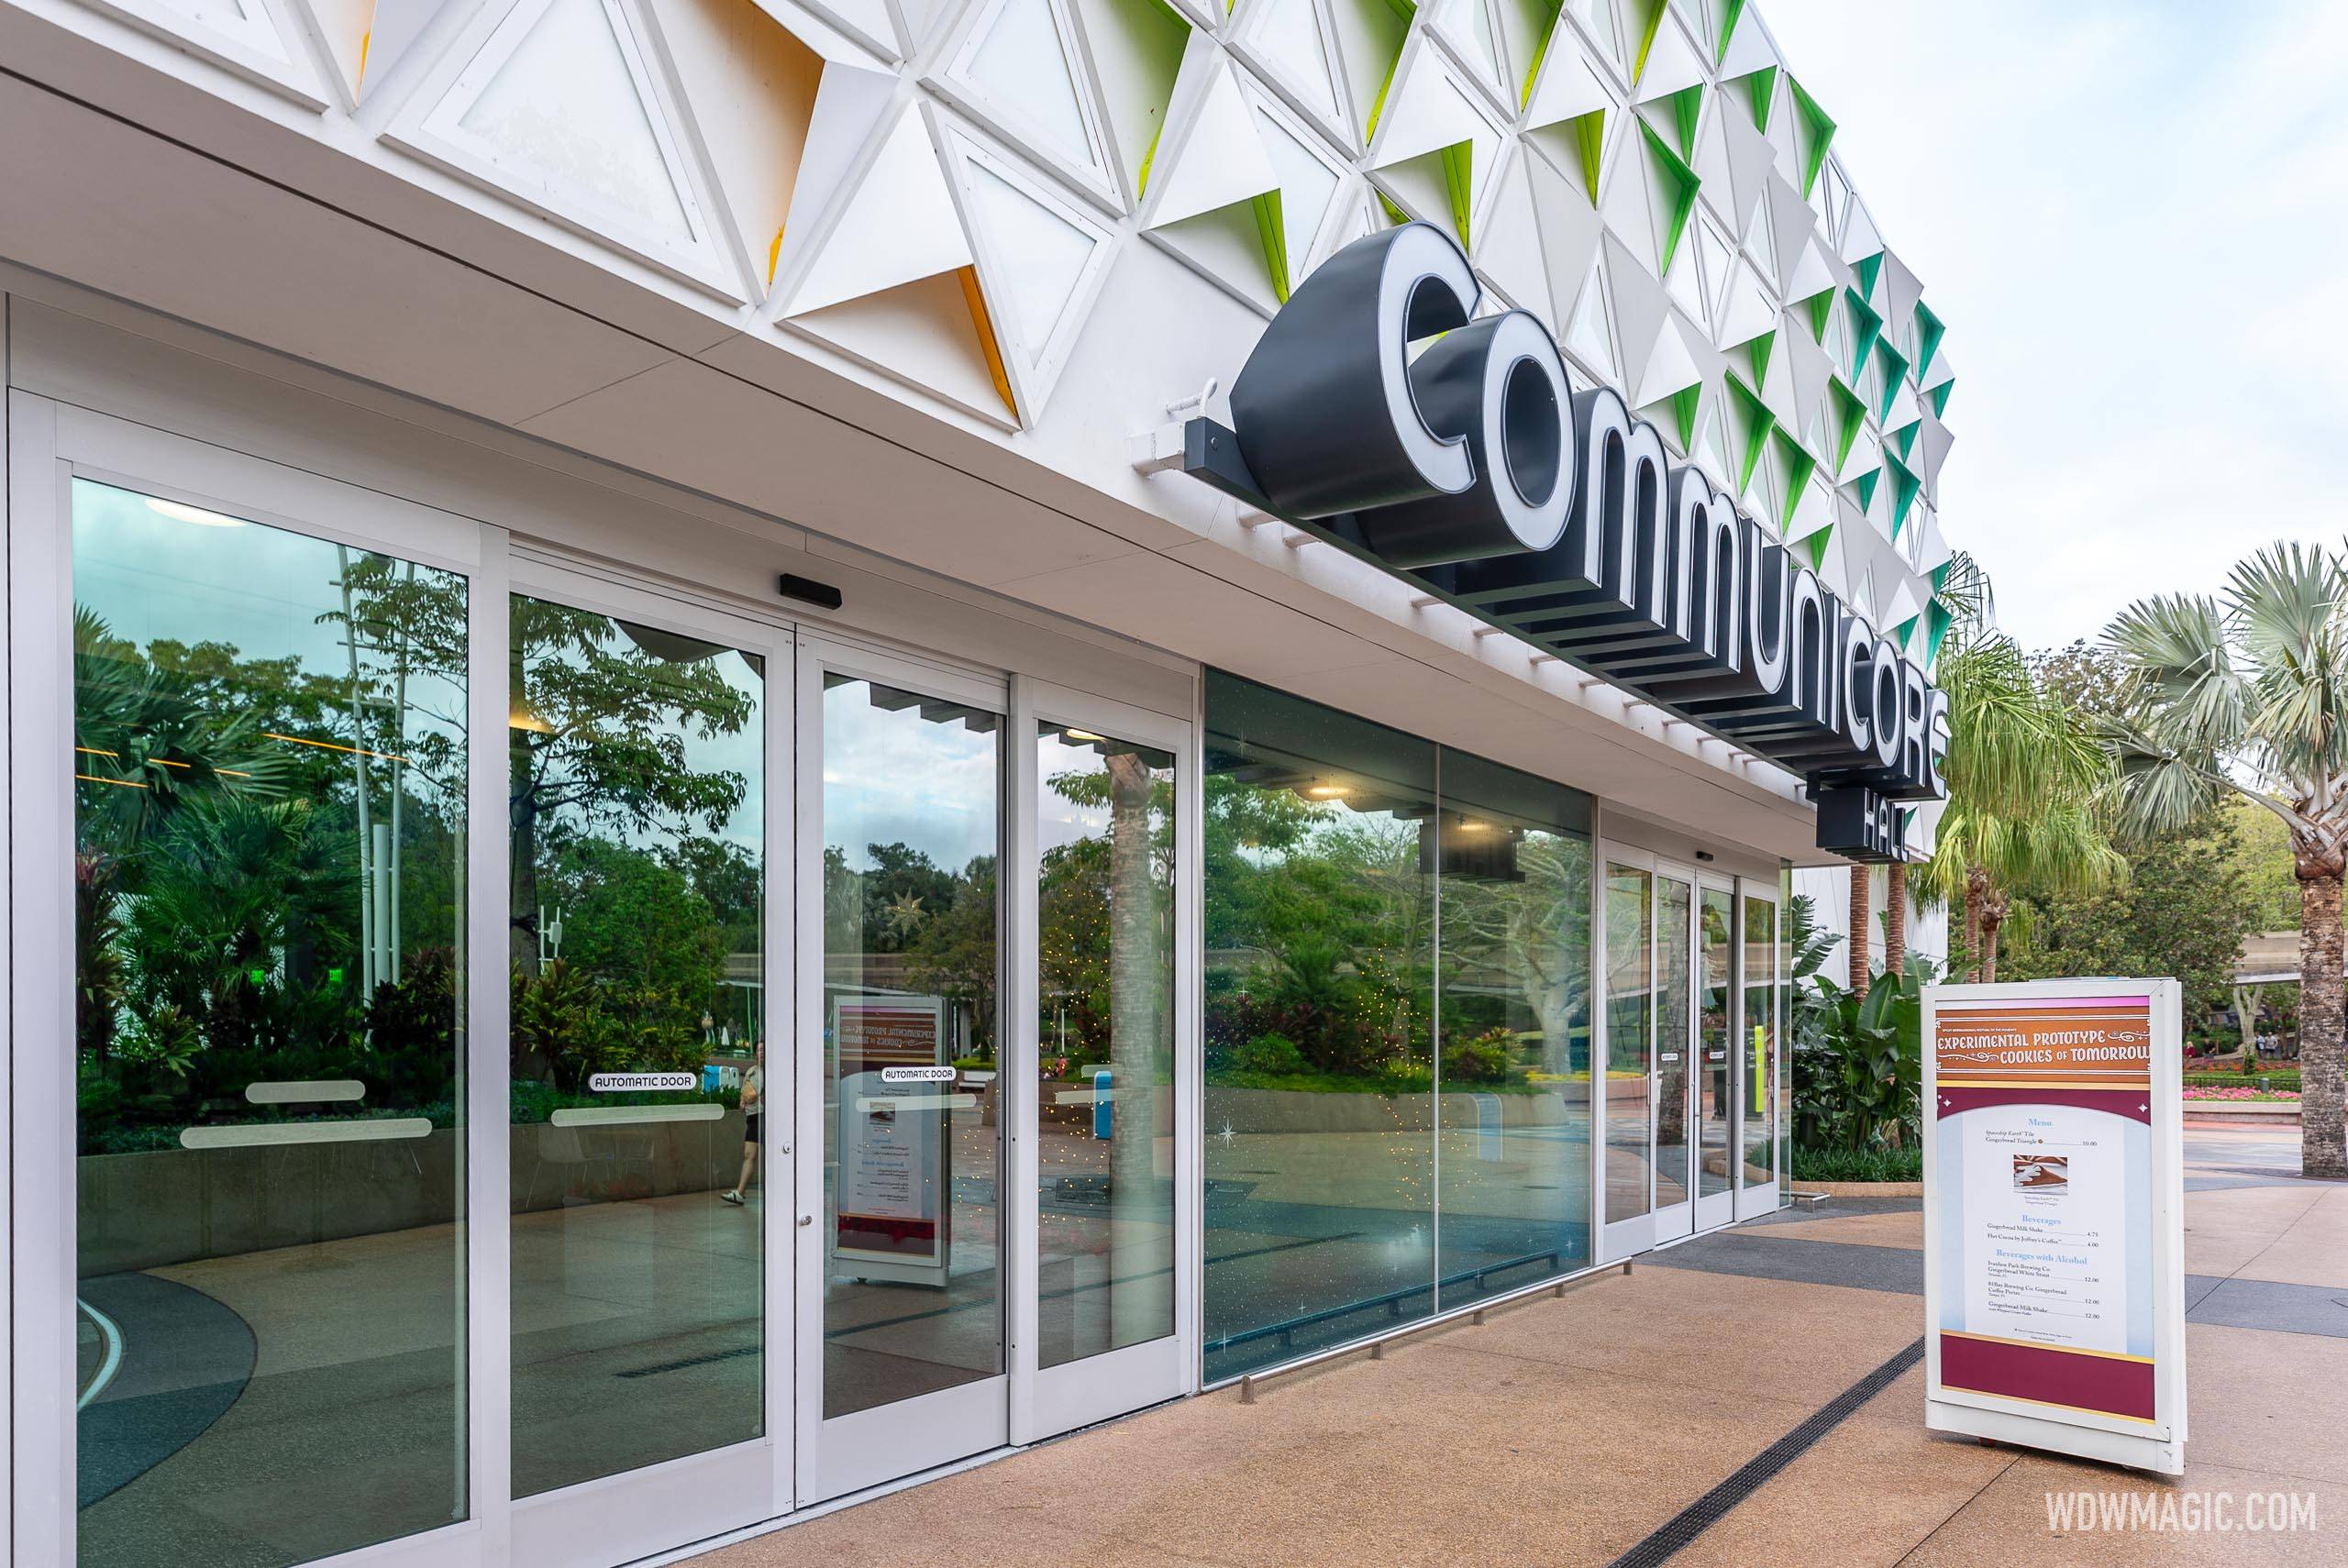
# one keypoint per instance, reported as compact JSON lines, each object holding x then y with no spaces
{"x":2026,"y":778}
{"x":1860,"y":917}
{"x":2245,"y":693}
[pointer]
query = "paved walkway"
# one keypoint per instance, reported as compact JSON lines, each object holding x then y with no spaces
{"x":1571,"y":1432}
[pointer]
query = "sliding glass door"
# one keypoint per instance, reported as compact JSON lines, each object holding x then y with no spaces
{"x":642,"y":741}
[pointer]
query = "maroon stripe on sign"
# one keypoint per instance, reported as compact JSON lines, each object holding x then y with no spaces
{"x":2048,"y":1376}
{"x":2135,"y":1104}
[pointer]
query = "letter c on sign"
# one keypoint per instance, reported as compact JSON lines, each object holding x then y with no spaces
{"x":1329,"y":419}
{"x":1500,"y":383}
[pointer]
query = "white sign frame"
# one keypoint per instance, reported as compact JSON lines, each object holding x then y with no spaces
{"x":2158,"y":1444}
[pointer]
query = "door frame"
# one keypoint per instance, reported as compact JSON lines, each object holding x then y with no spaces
{"x":1617,"y":1238}
{"x":1762,"y":1197}
{"x":846,"y":1453}
{"x":1046,"y":1402}
{"x":619,"y":1518}
{"x":51,"y":444}
{"x":1720,"y":1209}
{"x":1678,"y":1221}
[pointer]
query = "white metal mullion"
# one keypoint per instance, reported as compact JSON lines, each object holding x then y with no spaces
{"x":488,"y":1183}
{"x":40,"y":897}
{"x":779,"y":1317}
{"x":1189,"y":1042}
{"x":1016,"y":1061}
{"x":807,"y":1076}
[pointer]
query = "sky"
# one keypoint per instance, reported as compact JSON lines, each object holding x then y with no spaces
{"x":2132,"y":218}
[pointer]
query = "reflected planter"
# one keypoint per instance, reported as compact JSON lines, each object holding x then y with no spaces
{"x":176,"y":1206}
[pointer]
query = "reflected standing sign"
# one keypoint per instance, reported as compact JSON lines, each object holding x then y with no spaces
{"x":2053,"y":1218}
{"x":896,"y":1094}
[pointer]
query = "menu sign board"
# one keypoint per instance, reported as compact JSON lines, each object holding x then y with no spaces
{"x":894,"y":1138}
{"x":2054,"y":1261}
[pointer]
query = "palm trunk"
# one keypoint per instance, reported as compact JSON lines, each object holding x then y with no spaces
{"x":1993,"y":915}
{"x":1136,"y":1012}
{"x":1895,"y":919}
{"x":2321,"y":1044}
{"x":1859,"y":921}
{"x":1977,"y":882}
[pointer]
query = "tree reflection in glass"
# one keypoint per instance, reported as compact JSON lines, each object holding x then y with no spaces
{"x":269,"y":761}
{"x":1106,"y":1107}
{"x":635,"y":762}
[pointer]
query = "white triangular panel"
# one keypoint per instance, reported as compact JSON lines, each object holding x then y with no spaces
{"x":1314,"y":182}
{"x":1671,"y":66}
{"x":1288,"y":42}
{"x":1814,"y":510}
{"x":559,"y":108}
{"x":1569,"y":233}
{"x":1221,"y":160}
{"x":1015,"y":67}
{"x":866,"y":20}
{"x":1589,"y":333}
{"x":1745,"y":312}
{"x":1507,"y":251}
{"x":899,"y":223}
{"x":1859,"y":237}
{"x":1749,"y":161}
{"x":1748,"y":48}
{"x":1670,"y":367}
{"x":1905,"y":410}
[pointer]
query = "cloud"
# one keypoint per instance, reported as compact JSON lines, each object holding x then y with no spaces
{"x":2129,"y":216}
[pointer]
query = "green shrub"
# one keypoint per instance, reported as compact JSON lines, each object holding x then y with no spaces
{"x":1273,"y":1055}
{"x":1482,"y":1060}
{"x":1857,"y":1165}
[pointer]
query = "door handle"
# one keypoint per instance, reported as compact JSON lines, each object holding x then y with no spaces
{"x":805,"y":1220}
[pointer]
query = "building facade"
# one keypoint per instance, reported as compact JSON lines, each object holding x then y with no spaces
{"x":735,"y":832}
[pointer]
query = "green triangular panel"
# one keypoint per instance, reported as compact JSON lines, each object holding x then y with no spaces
{"x":1761,"y":92}
{"x":1758,"y":350}
{"x":1274,"y":235}
{"x":1396,"y":215}
{"x":1589,"y":140}
{"x":1812,"y":133}
{"x":1798,"y":466}
{"x":1650,"y":17}
{"x":1929,"y":332}
{"x":1404,"y":11}
{"x":1849,"y":413}
{"x":1820,"y":305}
{"x":1817,"y":543}
{"x":1895,"y":368}
{"x":1905,"y":438}
{"x":1459,"y":181}
{"x":1940,"y":398}
{"x":1685,"y":404}
{"x":1681,"y":181}
{"x":1752,"y":416}
{"x":1549,"y":9}
{"x":1868,"y":268}
{"x":1904,"y":486}
{"x":1730,"y":12}
{"x":1940,"y":575}
{"x":1865,"y":328}
{"x":1864,"y":487}
{"x":1687,"y":110}
{"x":1936,"y":624}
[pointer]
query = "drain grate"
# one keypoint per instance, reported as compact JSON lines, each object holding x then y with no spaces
{"x":1708,"y":1509}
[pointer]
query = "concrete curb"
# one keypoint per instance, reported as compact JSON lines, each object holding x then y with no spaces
{"x":1861,"y":1188}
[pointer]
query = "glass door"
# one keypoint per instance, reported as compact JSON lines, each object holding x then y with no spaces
{"x":1103,"y":1143}
{"x":1716,"y":1066}
{"x":1625,"y":1078}
{"x":1675,"y":1020}
{"x":1760,"y":1059}
{"x":643,"y":743}
{"x":904,"y":1101}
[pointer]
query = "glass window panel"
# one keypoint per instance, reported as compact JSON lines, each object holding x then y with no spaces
{"x":911,"y":1141}
{"x":1629,"y":1041}
{"x":1716,"y":1069}
{"x":269,"y":830}
{"x":1515,"y":893}
{"x":1105,"y":1024}
{"x":1674,"y":905}
{"x":1320,"y":956}
{"x":1760,"y":1063}
{"x":567,"y":102}
{"x":638,"y":766}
